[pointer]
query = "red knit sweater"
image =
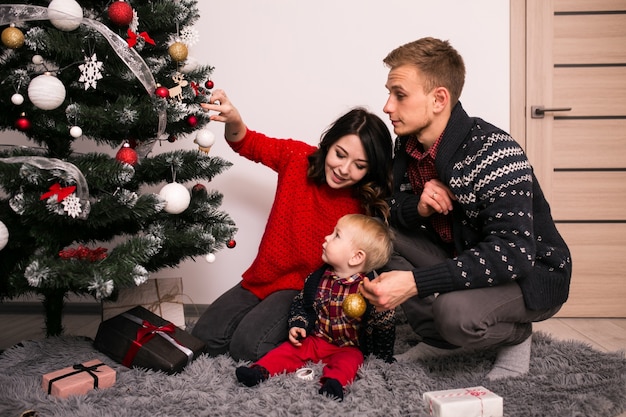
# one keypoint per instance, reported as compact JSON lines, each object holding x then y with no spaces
{"x":303,"y":213}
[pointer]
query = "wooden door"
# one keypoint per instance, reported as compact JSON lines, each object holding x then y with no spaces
{"x":572,"y":54}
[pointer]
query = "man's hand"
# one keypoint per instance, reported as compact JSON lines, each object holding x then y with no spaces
{"x":389,"y":289}
{"x":436,"y":198}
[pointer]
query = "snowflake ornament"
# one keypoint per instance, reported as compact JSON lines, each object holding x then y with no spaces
{"x":90,"y":72}
{"x":189,"y":36}
{"x":71,"y":205}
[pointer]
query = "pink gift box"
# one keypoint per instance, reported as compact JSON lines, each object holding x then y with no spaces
{"x":78,"y":379}
{"x":466,"y":402}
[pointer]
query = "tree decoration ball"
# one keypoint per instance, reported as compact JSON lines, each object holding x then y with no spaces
{"x":12,"y":37}
{"x":205,"y":138}
{"x":17,"y":99}
{"x":162,"y":92}
{"x":176,"y":196}
{"x":65,"y":15}
{"x":22,"y":123}
{"x":46,"y":91}
{"x":354,"y":305}
{"x":231,"y":244}
{"x":210,"y":258}
{"x":4,"y":235}
{"x":192,"y":120}
{"x":76,"y":132}
{"x":120,"y":13}
{"x":178,"y":51}
{"x":127,"y":155}
{"x":37,"y":59}
{"x":209,"y":84}
{"x":198,"y":189}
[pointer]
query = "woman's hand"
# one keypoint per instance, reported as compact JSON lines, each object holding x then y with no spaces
{"x":296,"y":334}
{"x":235,"y":128}
{"x":436,"y":198}
{"x":389,"y":289}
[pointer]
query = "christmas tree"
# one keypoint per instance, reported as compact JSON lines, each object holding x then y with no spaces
{"x":116,"y":73}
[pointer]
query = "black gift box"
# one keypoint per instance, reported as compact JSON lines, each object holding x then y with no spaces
{"x":140,"y":338}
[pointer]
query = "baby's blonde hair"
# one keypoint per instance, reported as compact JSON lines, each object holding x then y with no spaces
{"x":375,"y":239}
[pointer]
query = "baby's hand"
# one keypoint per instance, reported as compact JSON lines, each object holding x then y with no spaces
{"x":296,"y":334}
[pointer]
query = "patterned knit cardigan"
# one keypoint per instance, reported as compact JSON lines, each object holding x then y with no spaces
{"x":502,"y":226}
{"x":377,"y":330}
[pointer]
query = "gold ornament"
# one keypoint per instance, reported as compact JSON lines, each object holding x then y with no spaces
{"x":12,"y":37}
{"x":178,"y":51}
{"x":354,"y":305}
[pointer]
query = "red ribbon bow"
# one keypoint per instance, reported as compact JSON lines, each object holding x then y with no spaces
{"x":132,"y":38}
{"x":149,"y":329}
{"x":60,"y":192}
{"x":144,"y":334}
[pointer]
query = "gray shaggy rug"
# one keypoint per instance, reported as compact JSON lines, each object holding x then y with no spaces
{"x":565,"y":379}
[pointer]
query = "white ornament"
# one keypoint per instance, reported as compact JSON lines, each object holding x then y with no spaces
{"x":90,"y":72}
{"x":46,"y":91}
{"x":4,"y":235}
{"x":205,"y":138}
{"x":189,"y":36}
{"x":65,"y":15}
{"x":71,"y":205}
{"x":37,"y":59}
{"x":176,"y":196}
{"x":17,"y":99}
{"x":76,"y":132}
{"x":210,"y":258}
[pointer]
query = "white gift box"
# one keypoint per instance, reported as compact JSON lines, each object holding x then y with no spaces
{"x":465,"y":402}
{"x":162,"y":296}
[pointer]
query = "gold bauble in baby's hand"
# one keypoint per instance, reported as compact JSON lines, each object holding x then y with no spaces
{"x":354,"y":305}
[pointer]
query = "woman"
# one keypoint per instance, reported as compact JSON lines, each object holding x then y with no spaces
{"x":349,"y":172}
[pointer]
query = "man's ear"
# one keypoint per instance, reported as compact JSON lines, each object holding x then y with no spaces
{"x":442,"y":99}
{"x":357,"y":258}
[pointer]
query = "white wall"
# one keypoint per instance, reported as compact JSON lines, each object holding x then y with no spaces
{"x":292,"y":67}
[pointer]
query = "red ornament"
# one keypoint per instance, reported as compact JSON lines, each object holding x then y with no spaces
{"x":192,"y":120}
{"x":162,"y":92}
{"x":209,"y":84}
{"x":127,"y":155}
{"x":22,"y":123}
{"x":198,"y":187}
{"x":231,"y":244}
{"x":172,"y":138}
{"x":120,"y":13}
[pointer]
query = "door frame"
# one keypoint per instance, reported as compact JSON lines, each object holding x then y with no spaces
{"x":517,"y":51}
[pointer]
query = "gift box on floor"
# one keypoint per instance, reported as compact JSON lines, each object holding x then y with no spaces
{"x":142,"y":339}
{"x":162,"y":296}
{"x":466,"y":402}
{"x":78,"y":379}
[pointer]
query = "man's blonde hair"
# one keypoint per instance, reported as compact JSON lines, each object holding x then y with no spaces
{"x":440,"y":64}
{"x":375,"y":238}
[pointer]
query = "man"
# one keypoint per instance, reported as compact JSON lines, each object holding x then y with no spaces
{"x":477,"y":257}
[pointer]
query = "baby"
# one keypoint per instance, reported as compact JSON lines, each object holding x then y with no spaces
{"x":319,"y":328}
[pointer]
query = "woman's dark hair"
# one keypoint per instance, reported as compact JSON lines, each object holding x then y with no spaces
{"x":375,"y":186}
